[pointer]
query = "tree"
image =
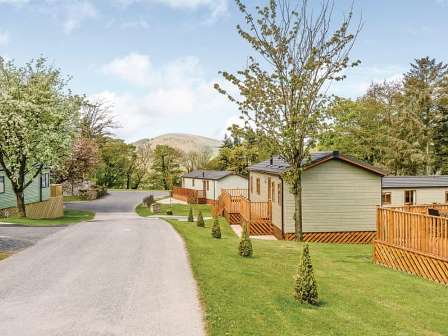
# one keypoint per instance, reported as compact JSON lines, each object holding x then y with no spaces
{"x":190,"y":215}
{"x":82,"y":161}
{"x":245,"y":246}
{"x":216,"y":228}
{"x":305,"y":289}
{"x":166,"y":167}
{"x":197,"y":159}
{"x":200,"y":221}
{"x":283,"y":97}
{"x":97,"y":121}
{"x":142,"y":165}
{"x":116,"y":158}
{"x":38,"y":119}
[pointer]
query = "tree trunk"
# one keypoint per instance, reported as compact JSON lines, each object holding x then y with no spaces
{"x":298,"y":218}
{"x":20,"y":203}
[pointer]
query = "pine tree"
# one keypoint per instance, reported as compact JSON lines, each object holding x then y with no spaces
{"x":190,"y":215}
{"x":245,"y":247}
{"x":216,"y":229}
{"x":200,"y":222}
{"x":305,"y":290}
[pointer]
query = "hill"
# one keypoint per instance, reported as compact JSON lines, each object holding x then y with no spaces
{"x":183,"y":142}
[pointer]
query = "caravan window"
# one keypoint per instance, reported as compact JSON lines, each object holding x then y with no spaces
{"x":2,"y":184}
{"x":45,"y":180}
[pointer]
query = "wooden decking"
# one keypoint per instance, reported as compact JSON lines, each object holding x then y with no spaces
{"x":236,"y":207}
{"x":413,"y":242}
{"x":191,"y":196}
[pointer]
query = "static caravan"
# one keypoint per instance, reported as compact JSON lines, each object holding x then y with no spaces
{"x":340,"y":197}
{"x":211,"y":182}
{"x":413,"y":190}
{"x":38,"y":191}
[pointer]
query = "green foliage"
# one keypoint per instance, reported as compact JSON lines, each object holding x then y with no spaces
{"x":282,"y":93}
{"x":38,"y":120}
{"x":241,"y":149}
{"x":400,"y":126}
{"x":169,"y":212}
{"x":200,"y":221}
{"x":117,"y":160}
{"x":148,"y":201}
{"x":305,"y":289}
{"x":245,"y":247}
{"x":216,"y":228}
{"x":166,"y":169}
{"x":190,"y":215}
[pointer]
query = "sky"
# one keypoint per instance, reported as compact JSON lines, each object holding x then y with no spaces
{"x":155,"y":61}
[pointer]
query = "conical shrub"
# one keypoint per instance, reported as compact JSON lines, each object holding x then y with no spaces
{"x":200,"y":221}
{"x":305,"y":290}
{"x":216,"y":229}
{"x":245,"y":247}
{"x":190,"y":215}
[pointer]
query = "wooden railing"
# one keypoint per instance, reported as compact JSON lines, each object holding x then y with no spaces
{"x":257,"y":215}
{"x":188,"y":195}
{"x":412,"y":242}
{"x":236,"y":192}
{"x":418,"y":232}
{"x":421,"y":208}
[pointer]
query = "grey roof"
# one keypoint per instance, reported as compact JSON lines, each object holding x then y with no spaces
{"x":415,"y":181}
{"x":208,"y":174}
{"x":279,"y":165}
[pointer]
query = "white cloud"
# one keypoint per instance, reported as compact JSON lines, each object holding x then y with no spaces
{"x":176,"y":96}
{"x":4,"y":38}
{"x":75,"y":13}
{"x":216,"y":7}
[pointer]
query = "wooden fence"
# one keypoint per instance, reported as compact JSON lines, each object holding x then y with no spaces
{"x":189,"y":195}
{"x":412,"y":242}
{"x":234,"y":205}
{"x":258,"y":216}
{"x":421,"y":208}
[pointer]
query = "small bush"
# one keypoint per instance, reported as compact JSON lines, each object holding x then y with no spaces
{"x":169,"y":212}
{"x":190,"y":215}
{"x":200,"y":222}
{"x":148,"y":201}
{"x":305,"y":290}
{"x":245,"y":247}
{"x":216,"y":229}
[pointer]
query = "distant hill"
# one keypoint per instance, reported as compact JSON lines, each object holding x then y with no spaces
{"x":183,"y":142}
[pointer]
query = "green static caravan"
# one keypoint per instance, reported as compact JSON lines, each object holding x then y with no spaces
{"x":38,"y":191}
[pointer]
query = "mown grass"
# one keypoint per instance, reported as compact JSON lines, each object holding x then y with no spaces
{"x":4,"y":255}
{"x":70,"y":217}
{"x":177,"y":209}
{"x":72,"y":198}
{"x":254,"y":296}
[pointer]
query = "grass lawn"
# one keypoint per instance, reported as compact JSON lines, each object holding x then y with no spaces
{"x":254,"y":296}
{"x":70,"y":217}
{"x":4,"y":255}
{"x":73,"y":198}
{"x":178,"y":209}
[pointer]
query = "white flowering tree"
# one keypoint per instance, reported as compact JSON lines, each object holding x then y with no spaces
{"x":38,"y":118}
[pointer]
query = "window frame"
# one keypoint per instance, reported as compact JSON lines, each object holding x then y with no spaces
{"x":258,"y":186}
{"x":446,"y":196}
{"x":273,"y":191}
{"x":45,"y":180}
{"x":383,"y":198}
{"x":251,"y":186}
{"x":413,"y":193}
{"x":192,"y":182}
{"x":280,"y":194}
{"x":2,"y":184}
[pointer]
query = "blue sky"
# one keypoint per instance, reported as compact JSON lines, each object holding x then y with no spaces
{"x":155,"y":61}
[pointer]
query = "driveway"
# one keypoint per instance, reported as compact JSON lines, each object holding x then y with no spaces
{"x":117,"y":275}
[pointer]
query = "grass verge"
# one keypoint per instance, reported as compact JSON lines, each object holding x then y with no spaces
{"x":70,"y":217}
{"x":177,"y":209}
{"x":254,"y":296}
{"x":72,"y":198}
{"x":4,"y":255}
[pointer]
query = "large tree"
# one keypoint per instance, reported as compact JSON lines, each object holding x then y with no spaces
{"x":283,"y":92}
{"x":38,"y":118}
{"x":166,"y":169}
